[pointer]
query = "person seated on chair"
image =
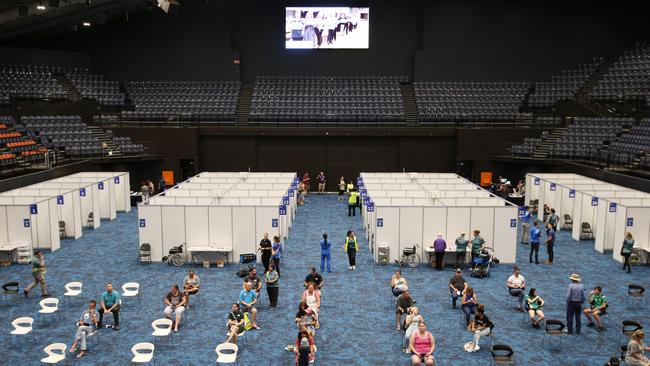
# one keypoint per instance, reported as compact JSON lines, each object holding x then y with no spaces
{"x":398,"y":283}
{"x":312,"y":297}
{"x":305,"y":348}
{"x":254,"y":280}
{"x":534,"y":305}
{"x":516,"y":284}
{"x":248,"y":299}
{"x":110,"y":303}
{"x":191,"y":285}
{"x":404,"y":303}
{"x":235,"y":324}
{"x":306,"y":319}
{"x":411,"y":323}
{"x":457,"y":285}
{"x":468,"y":302}
{"x":175,"y":301}
{"x":315,"y":278}
{"x":636,"y":348}
{"x":481,"y":326}
{"x":597,"y":308}
{"x":422,"y":344}
{"x":86,"y":326}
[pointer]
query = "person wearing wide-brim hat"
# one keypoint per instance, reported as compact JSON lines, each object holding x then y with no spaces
{"x":575,"y":298}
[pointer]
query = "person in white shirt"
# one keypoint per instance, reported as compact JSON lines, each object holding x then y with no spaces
{"x":516,"y":286}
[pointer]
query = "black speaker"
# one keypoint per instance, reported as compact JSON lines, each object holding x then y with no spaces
{"x":23,"y":10}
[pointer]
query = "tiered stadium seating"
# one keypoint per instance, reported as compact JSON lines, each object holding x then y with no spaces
{"x":105,"y":119}
{"x":127,"y":147}
{"x":528,"y":147}
{"x":64,"y":133}
{"x":32,"y":82}
{"x":563,"y":86}
{"x":91,"y":86}
{"x":548,"y":121}
{"x":586,"y":136}
{"x":214,"y":101}
{"x":631,"y":145}
{"x":16,"y":147}
{"x":345,"y":100}
{"x":628,"y":78}
{"x":470,"y":101}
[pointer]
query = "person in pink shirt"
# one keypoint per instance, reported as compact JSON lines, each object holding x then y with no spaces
{"x":422,"y":345}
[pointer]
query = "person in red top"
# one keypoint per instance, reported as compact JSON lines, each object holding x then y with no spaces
{"x":307,"y":182}
{"x":422,"y":345}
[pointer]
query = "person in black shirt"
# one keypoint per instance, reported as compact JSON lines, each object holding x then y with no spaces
{"x":481,"y":326}
{"x":265,"y":248}
{"x":255,"y":280}
{"x":314,"y":277}
{"x":235,"y":323}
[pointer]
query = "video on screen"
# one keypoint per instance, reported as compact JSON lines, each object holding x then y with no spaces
{"x":327,"y":28}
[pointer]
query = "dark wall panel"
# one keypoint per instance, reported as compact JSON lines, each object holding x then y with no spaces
{"x":46,"y":57}
{"x":232,"y":153}
{"x":427,"y":154}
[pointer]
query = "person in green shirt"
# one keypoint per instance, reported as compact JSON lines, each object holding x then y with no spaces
{"x":38,"y":272}
{"x":534,"y":305}
{"x":477,"y":245}
{"x":461,"y":250}
{"x":597,"y":309}
{"x":626,"y":251}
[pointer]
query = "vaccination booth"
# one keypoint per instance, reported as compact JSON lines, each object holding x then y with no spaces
{"x":221,"y":212}
{"x":59,"y":208}
{"x":402,"y":210}
{"x":598,"y":210}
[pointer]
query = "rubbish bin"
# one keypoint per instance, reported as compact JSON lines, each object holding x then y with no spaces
{"x":383,"y":255}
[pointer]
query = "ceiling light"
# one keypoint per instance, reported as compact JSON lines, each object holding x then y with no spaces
{"x":86,"y":24}
{"x":41,"y":7}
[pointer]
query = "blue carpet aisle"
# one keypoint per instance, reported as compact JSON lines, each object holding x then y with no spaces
{"x":357,"y":308}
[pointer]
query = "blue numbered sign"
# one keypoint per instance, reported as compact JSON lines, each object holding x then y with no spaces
{"x":100,"y":185}
{"x":594,"y":201}
{"x":59,"y":200}
{"x":612,"y":207}
{"x":536,"y":181}
{"x":274,"y":222}
{"x":513,"y":222}
{"x":26,"y":223}
{"x":553,"y":186}
{"x":380,"y":222}
{"x":283,"y":210}
{"x":143,"y":223}
{"x":630,"y":221}
{"x":33,"y":209}
{"x":116,"y":180}
{"x":572,"y":193}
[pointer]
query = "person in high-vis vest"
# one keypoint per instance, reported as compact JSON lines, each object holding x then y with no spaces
{"x":349,"y":187}
{"x":353,"y":202}
{"x":351,"y":247}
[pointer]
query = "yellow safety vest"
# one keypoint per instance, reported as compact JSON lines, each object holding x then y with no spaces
{"x":352,"y":200}
{"x":356,"y":244}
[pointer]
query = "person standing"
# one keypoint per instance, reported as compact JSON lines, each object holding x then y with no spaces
{"x":626,"y":251}
{"x":162,"y":185}
{"x":477,"y":245}
{"x":272,"y":278}
{"x":307,"y":182}
{"x":575,"y":298}
{"x":535,"y":236}
{"x":276,"y":253}
{"x":86,"y":326}
{"x":349,"y":187}
{"x":321,"y":182}
{"x":110,"y":303}
{"x":38,"y":273}
{"x":525,"y":225}
{"x":461,"y":250}
{"x":352,"y":202}
{"x":552,"y":219}
{"x":550,"y":242}
{"x":325,"y":254}
{"x":144,"y":190}
{"x":151,"y":188}
{"x":341,"y":188}
{"x":439,"y":247}
{"x":265,"y":248}
{"x":351,"y":248}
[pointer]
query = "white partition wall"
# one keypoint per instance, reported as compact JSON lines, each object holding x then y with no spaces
{"x":610,"y":210}
{"x":205,"y":212}
{"x":413,"y":211}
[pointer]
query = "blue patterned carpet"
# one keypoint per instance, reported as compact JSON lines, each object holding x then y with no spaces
{"x":357,"y":311}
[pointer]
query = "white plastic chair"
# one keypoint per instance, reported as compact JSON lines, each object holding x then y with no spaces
{"x":49,"y":305}
{"x":226,"y":357}
{"x":142,"y":357}
{"x":130,"y":289}
{"x":55,"y":353}
{"x":73,"y":289}
{"x":23,"y":326}
{"x":162,"y":328}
